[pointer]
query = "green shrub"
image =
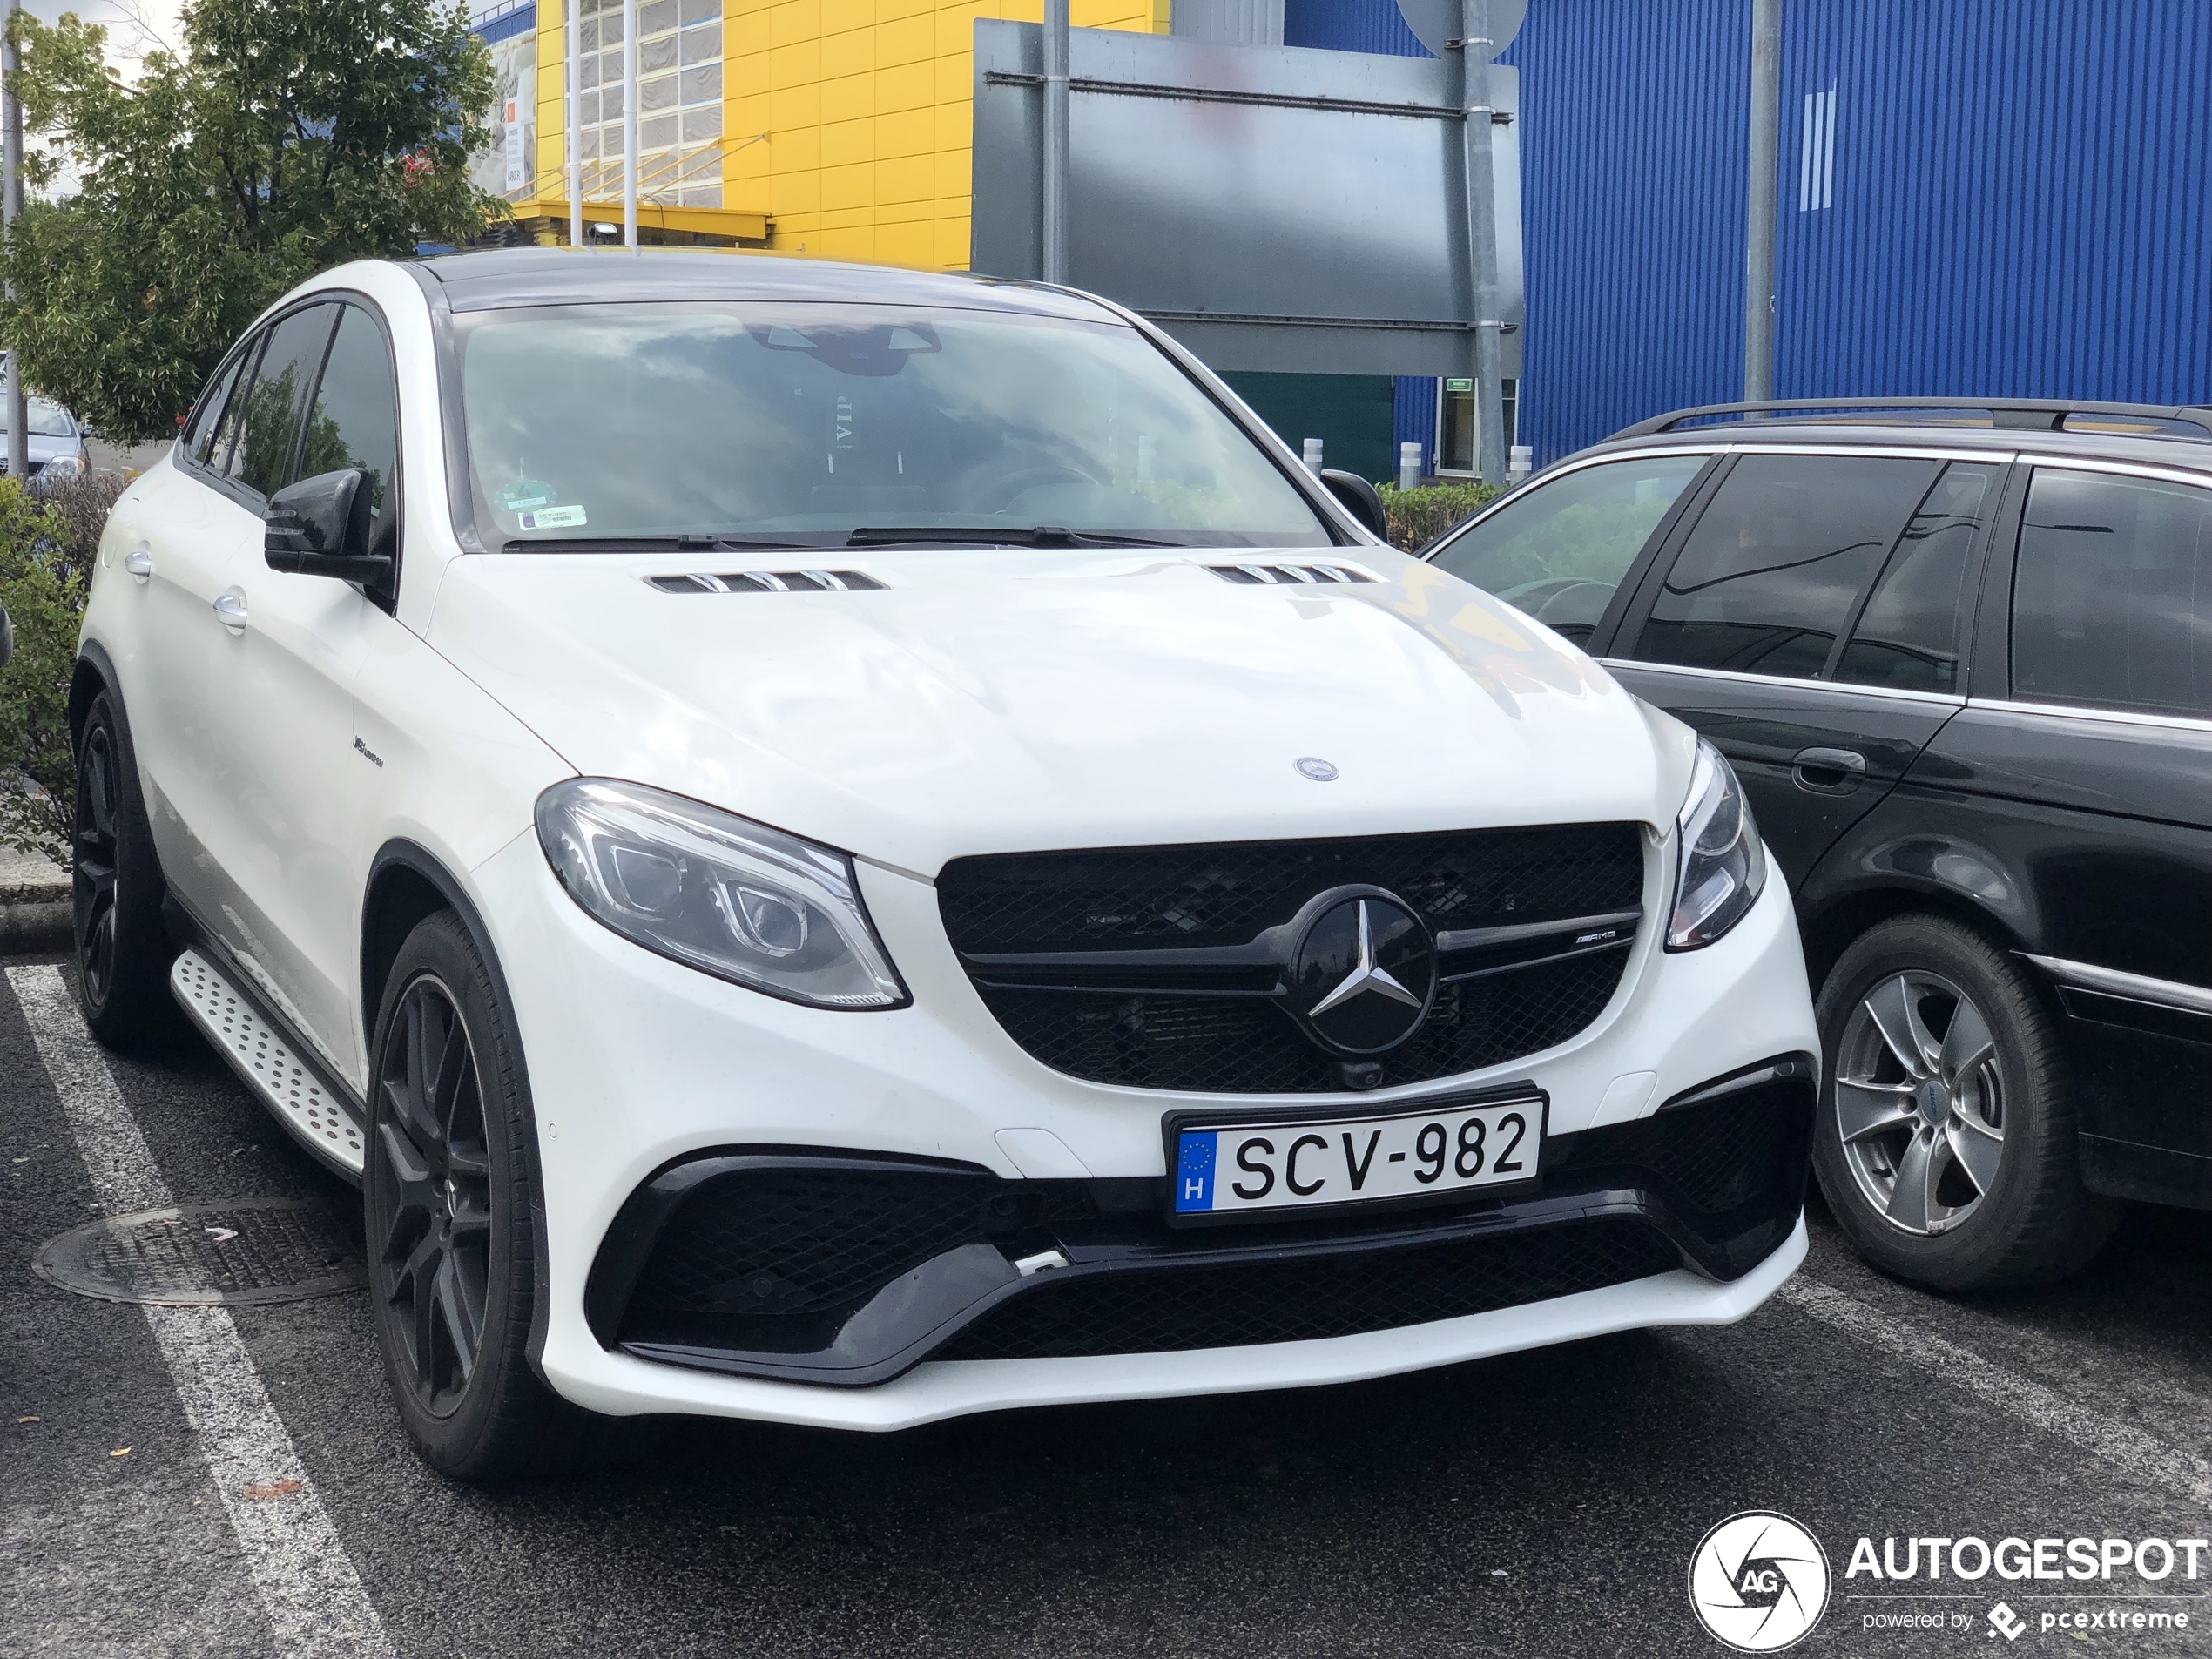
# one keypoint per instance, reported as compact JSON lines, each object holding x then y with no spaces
{"x":46,"y":551}
{"x":1418,"y":516}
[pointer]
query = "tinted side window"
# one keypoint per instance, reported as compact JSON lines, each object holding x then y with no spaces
{"x":222,"y":447}
{"x":1913,"y":628}
{"x":2111,"y":596}
{"x":269,"y":437}
{"x":1559,"y":550}
{"x":1774,"y":566}
{"x":354,"y":424}
{"x":207,"y":414}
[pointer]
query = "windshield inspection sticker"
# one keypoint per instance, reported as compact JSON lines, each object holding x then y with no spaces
{"x":526,"y":496}
{"x":552,"y":518}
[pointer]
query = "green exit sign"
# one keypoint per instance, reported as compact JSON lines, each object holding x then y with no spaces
{"x":1458,"y":385}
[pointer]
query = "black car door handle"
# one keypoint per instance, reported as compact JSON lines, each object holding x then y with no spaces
{"x":1828,"y":771}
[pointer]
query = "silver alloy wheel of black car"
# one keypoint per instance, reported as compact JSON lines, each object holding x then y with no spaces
{"x":432,"y":1231}
{"x":1919,"y":1101}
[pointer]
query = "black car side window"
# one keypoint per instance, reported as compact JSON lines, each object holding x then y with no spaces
{"x":1911,"y":633}
{"x":230,"y":413}
{"x":268,"y":440}
{"x":1772,"y":572}
{"x":2112,"y":594}
{"x":1560,"y":549}
{"x":207,"y":414}
{"x":355,"y":420}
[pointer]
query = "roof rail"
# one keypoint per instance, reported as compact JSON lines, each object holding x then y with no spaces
{"x":2019,"y":413}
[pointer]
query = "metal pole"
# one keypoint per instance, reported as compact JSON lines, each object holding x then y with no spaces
{"x":10,"y":205}
{"x":1482,"y":237}
{"x":1758,"y":241}
{"x":630,"y":123}
{"x":572,"y":128}
{"x":1053,"y":220}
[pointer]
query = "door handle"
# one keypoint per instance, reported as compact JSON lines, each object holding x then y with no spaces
{"x":230,"y":605}
{"x":1828,"y":771}
{"x":138,"y":562}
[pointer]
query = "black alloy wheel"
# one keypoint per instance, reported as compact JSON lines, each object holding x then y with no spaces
{"x":98,"y":793}
{"x":123,"y":948}
{"x":433,"y":1215}
{"x":449,"y":1207}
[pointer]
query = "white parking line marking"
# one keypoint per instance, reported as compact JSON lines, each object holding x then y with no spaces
{"x":2117,"y":1444}
{"x":306,"y":1582}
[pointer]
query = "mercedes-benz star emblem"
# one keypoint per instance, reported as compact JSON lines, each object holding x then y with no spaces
{"x":1322,"y":772}
{"x":1365,"y":971}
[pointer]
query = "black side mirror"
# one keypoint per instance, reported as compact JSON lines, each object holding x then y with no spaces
{"x":319,"y":527}
{"x":1360,"y":499}
{"x":7,"y":637}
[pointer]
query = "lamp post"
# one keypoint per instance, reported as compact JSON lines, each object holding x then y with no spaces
{"x":1482,"y":240}
{"x":1053,"y":259}
{"x":1758,"y":241}
{"x":10,"y":205}
{"x":630,"y":123}
{"x":572,"y":143}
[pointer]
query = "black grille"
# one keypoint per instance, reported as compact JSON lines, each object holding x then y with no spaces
{"x":1244,"y":1045}
{"x":1713,"y":1156}
{"x":1295,"y":1300}
{"x":1146,"y":898}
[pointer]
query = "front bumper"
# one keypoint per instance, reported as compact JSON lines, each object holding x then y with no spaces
{"x":669,"y":1065}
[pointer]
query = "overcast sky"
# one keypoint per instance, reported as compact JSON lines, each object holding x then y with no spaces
{"x":132,"y":25}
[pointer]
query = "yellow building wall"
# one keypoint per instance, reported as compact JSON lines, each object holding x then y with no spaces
{"x":848,"y":122}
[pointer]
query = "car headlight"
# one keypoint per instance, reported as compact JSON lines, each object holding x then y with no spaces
{"x":62,"y":467}
{"x":717,"y":893}
{"x":1724,"y":866}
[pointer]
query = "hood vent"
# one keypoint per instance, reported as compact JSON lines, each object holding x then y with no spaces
{"x":1288,"y":576}
{"x":768,"y":582}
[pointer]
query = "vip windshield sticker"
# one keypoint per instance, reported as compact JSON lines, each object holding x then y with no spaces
{"x":526,"y":496}
{"x":553,"y":518}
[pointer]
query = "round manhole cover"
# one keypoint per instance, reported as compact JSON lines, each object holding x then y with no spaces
{"x":198,"y":1255}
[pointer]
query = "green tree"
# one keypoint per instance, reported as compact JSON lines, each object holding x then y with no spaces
{"x":43,"y":575}
{"x":284,"y":137}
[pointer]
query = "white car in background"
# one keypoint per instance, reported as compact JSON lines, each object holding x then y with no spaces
{"x":844,"y":846}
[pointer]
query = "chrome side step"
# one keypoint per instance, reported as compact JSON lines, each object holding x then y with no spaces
{"x":292,"y":1090}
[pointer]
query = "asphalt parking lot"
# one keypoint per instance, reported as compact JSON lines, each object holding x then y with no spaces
{"x":1544,"y":1504}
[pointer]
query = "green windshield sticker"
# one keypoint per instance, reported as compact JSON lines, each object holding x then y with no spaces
{"x":526,"y":496}
{"x":553,"y":518}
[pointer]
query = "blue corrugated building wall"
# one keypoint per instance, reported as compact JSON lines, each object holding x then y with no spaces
{"x":1978,"y":197}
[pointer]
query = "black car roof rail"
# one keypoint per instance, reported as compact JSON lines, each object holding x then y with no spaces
{"x":2018,"y":414}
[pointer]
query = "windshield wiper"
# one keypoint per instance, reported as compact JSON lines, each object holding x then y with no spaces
{"x":649,"y":544}
{"x":989,"y":535}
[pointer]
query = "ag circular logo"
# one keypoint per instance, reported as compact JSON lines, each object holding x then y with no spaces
{"x":1364,"y":971}
{"x":1758,"y":1581}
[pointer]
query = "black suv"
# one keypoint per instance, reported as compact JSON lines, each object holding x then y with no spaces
{"x":1961,"y":658}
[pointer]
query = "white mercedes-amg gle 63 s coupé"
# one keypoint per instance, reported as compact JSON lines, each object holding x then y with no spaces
{"x":845,"y":846}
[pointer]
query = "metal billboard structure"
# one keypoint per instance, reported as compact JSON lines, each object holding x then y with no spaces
{"x":1275,"y":208}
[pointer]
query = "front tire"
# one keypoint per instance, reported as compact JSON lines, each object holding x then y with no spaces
{"x":1946,"y":1143}
{"x":122,"y":950}
{"x":447,"y":1196}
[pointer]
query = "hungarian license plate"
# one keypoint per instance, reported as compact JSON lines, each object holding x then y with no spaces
{"x":1236,"y":1169}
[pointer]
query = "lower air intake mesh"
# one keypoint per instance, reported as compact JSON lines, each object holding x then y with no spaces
{"x":1299,"y":1298}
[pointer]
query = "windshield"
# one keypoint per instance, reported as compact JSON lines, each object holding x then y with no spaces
{"x":817,"y":425}
{"x":45,"y":420}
